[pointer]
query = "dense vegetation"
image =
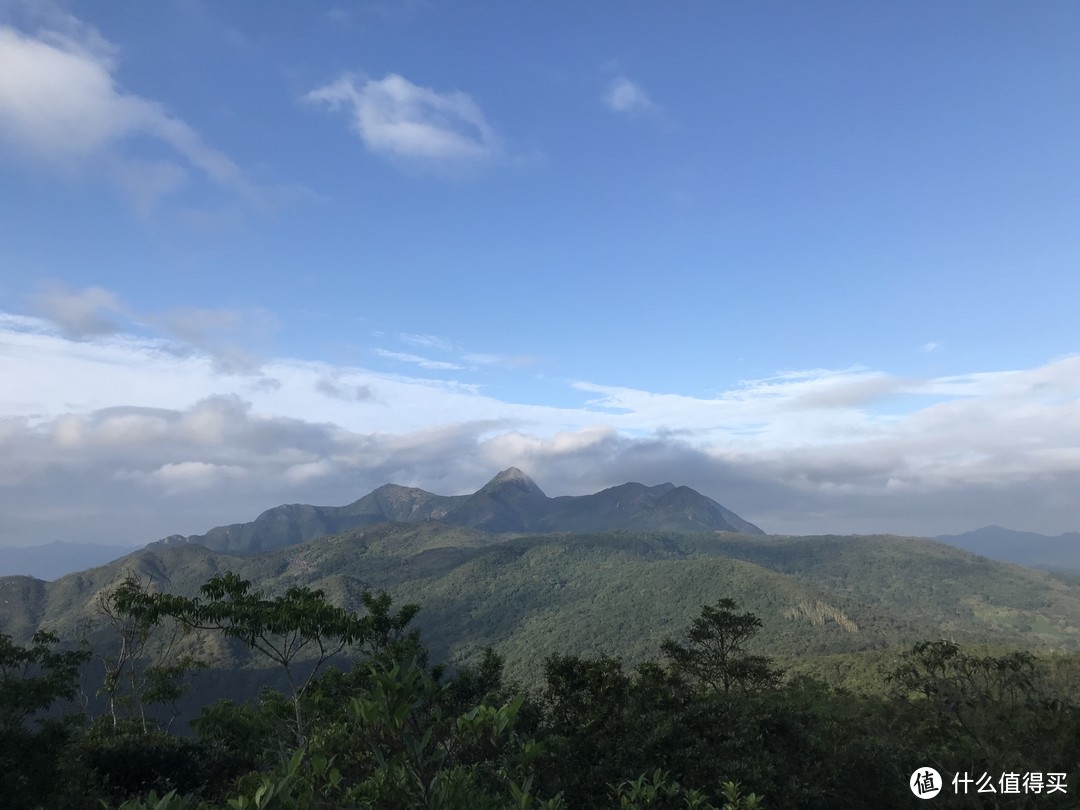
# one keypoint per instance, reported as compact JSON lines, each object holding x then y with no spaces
{"x":709,"y":723}
{"x":609,"y":593}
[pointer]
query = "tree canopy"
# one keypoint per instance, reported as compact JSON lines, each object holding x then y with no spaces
{"x":366,"y":722}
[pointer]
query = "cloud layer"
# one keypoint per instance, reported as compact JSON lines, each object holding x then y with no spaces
{"x":122,"y":438}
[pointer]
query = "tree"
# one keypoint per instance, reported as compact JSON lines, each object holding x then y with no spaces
{"x":146,"y":668}
{"x":990,"y":709}
{"x":32,"y":680}
{"x":299,"y":631}
{"x":716,"y":653}
{"x":394,"y":745}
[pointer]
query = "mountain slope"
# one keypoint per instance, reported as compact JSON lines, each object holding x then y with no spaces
{"x":510,"y":503}
{"x":615,"y":592}
{"x":290,"y":524}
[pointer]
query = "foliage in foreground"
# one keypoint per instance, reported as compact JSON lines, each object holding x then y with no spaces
{"x":710,"y":726}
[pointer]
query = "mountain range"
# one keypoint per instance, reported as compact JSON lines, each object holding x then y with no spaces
{"x":610,"y":573}
{"x":616,"y":592}
{"x":511,"y":502}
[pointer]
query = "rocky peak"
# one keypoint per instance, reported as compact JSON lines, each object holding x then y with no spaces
{"x":514,"y":478}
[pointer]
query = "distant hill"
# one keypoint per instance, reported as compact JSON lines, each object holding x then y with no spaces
{"x":511,"y":502}
{"x":1024,"y":548}
{"x":53,"y":560}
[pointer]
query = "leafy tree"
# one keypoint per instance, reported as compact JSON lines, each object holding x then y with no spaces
{"x":586,"y":723}
{"x":247,"y":736}
{"x":992,"y":712}
{"x":122,"y":763}
{"x":392,"y":732}
{"x":396,"y":747}
{"x":659,"y":790}
{"x":299,"y":631}
{"x":716,"y":653}
{"x":32,"y":680}
{"x":146,"y":667}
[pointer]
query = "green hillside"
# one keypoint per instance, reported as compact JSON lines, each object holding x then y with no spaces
{"x":617,"y":593}
{"x":842,"y":615}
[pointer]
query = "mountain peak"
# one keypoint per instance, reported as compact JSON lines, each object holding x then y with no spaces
{"x":509,"y":502}
{"x":513,"y":477}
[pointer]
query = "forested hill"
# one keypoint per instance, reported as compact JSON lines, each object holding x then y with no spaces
{"x":583,"y":667}
{"x":510,"y":503}
{"x":617,"y":593}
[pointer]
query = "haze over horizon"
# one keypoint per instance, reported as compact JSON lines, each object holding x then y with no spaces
{"x":820,"y":264}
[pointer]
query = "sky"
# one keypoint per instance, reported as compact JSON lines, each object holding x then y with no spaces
{"x":819,"y":261}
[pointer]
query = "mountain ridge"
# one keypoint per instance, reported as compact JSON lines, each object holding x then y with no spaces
{"x":511,"y":502}
{"x":614,"y":593}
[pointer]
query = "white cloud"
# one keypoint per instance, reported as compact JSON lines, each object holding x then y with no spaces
{"x":309,"y":471}
{"x":485,"y":359}
{"x":346,"y":393}
{"x":79,"y":313}
{"x":427,"y":341}
{"x":853,"y":390}
{"x":221,"y":333}
{"x":398,"y":119}
{"x":471,"y":360}
{"x":187,"y":476}
{"x":60,"y":105}
{"x":930,"y":346}
{"x":624,"y":96}
{"x":415,"y":359}
{"x":84,"y":422}
{"x":58,"y":99}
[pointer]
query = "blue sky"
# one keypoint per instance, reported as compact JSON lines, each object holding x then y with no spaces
{"x":818,"y":260}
